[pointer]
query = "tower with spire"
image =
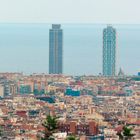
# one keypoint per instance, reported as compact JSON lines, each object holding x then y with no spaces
{"x":121,"y":73}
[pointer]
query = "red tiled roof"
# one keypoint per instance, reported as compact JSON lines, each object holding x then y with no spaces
{"x":119,"y":128}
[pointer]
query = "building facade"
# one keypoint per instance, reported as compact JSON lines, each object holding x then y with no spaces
{"x":109,"y":51}
{"x":89,"y":128}
{"x":1,"y":91}
{"x":56,"y":49}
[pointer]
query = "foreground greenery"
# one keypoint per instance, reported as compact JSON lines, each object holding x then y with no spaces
{"x":51,"y":126}
{"x":72,"y":138}
{"x":126,"y":133}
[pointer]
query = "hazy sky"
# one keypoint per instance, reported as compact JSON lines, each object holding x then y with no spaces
{"x":81,"y":11}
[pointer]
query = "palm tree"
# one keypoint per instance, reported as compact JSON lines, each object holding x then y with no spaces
{"x":50,"y":125}
{"x":51,"y":138}
{"x":126,"y":133}
{"x":71,"y":138}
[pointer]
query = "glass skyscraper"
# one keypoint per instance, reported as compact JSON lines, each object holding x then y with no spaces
{"x":109,"y":51}
{"x":56,"y":49}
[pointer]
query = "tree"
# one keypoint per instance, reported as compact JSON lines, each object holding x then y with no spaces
{"x":51,"y":138}
{"x":71,"y":138}
{"x":50,"y":125}
{"x":126,"y":133}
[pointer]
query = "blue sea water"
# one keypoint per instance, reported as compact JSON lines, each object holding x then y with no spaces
{"x":25,"y":48}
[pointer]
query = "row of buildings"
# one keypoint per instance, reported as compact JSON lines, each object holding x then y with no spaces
{"x":90,"y":107}
{"x":56,"y":50}
{"x":12,"y":84}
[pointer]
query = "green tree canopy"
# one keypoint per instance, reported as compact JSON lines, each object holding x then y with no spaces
{"x":51,"y":126}
{"x":71,"y":138}
{"x":50,"y":123}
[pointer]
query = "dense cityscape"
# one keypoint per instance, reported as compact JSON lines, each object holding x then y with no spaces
{"x":89,"y":107}
{"x":63,"y":107}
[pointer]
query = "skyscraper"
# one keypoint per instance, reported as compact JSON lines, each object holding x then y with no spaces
{"x":109,"y":51}
{"x":56,"y":49}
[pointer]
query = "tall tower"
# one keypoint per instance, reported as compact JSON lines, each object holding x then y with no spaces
{"x":109,"y":51}
{"x":56,"y":49}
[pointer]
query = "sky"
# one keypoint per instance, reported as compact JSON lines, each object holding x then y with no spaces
{"x":24,"y":27}
{"x":70,"y":11}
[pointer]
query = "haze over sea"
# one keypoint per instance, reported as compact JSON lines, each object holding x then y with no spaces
{"x":25,"y":48}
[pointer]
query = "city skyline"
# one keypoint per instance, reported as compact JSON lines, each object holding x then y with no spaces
{"x":83,"y":47}
{"x":69,"y":69}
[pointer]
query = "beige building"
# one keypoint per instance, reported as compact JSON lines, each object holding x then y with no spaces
{"x":1,"y":91}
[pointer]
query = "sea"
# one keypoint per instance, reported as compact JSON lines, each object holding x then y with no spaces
{"x":25,"y":48}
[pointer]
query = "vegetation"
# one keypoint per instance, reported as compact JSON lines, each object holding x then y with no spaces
{"x":71,"y":138}
{"x":126,"y":133}
{"x":51,"y":138}
{"x":50,"y":125}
